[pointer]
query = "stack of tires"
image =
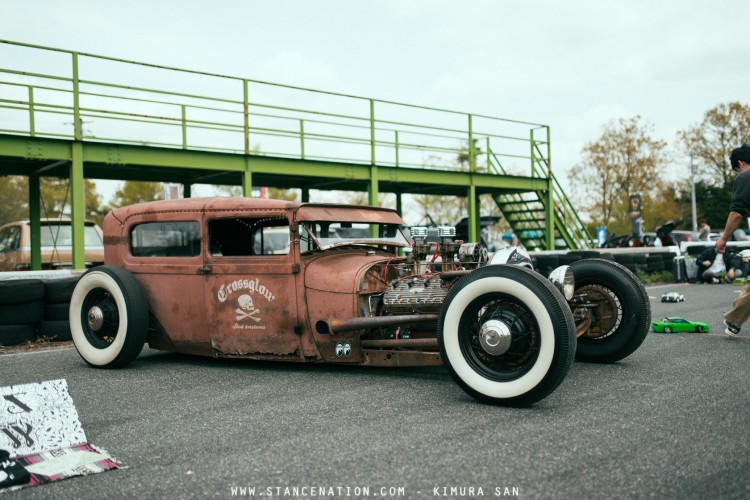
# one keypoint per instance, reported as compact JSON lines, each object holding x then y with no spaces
{"x":57,"y":294}
{"x":545,"y":264}
{"x":626,"y":260}
{"x":655,"y":263}
{"x":33,"y":309}
{"x":21,"y":309}
{"x":668,"y":259}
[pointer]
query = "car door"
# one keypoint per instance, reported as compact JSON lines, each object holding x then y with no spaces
{"x":163,"y":251}
{"x":680,"y":325}
{"x":250,"y":286}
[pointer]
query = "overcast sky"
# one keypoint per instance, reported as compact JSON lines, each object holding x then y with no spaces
{"x":573,"y":65}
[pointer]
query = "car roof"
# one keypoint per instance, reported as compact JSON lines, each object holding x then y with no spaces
{"x":47,"y":221}
{"x":323,"y":211}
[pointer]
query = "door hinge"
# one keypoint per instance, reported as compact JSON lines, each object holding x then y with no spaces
{"x":204,"y":270}
{"x":295,"y":268}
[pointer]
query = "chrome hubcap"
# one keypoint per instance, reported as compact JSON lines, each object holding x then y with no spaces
{"x":495,"y":337}
{"x":95,"y":318}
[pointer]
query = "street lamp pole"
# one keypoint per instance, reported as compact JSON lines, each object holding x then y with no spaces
{"x":692,"y":193}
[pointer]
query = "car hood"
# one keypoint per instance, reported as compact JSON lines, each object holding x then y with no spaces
{"x":341,"y":270}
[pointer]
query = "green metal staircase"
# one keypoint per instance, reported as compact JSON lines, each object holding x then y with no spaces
{"x":525,"y":212}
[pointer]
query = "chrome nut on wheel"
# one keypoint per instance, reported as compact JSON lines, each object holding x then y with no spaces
{"x":96,"y":318}
{"x":495,"y":337}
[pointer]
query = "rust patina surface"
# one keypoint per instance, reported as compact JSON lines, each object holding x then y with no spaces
{"x":278,"y":305}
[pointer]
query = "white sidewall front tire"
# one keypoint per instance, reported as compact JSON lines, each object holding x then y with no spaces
{"x":87,"y":283}
{"x":461,"y":367}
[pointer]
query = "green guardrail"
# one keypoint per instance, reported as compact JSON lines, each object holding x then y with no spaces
{"x":97,"y":98}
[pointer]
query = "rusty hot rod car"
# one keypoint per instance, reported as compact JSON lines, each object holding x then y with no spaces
{"x":268,"y":279}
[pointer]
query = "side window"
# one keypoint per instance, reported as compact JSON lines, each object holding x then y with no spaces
{"x":15,"y":237}
{"x":237,"y":236}
{"x":10,"y":238}
{"x":4,"y":239}
{"x":166,"y":239}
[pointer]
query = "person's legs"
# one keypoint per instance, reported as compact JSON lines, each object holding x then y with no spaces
{"x":740,"y":311}
{"x":709,"y":277}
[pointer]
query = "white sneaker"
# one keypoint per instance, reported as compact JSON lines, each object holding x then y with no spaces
{"x":730,"y":329}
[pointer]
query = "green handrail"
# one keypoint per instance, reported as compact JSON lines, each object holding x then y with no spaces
{"x":413,"y":138}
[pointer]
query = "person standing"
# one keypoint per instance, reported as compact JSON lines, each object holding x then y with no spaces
{"x":704,"y":231}
{"x":739,"y":209}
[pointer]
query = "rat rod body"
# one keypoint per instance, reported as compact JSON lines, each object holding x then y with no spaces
{"x":267,"y":279}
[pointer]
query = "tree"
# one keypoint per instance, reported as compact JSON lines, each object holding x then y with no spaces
{"x":14,"y":194}
{"x":723,"y":128}
{"x":137,"y":192}
{"x":713,"y":206}
{"x":55,"y":199}
{"x":624,"y":160}
{"x":55,"y":193}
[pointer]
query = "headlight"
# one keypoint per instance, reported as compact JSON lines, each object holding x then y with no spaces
{"x":512,"y":255}
{"x":562,"y":278}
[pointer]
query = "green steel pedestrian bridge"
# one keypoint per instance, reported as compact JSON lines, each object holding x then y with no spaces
{"x":77,"y":116}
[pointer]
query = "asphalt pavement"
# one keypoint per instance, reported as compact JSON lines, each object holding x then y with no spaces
{"x":670,"y":421}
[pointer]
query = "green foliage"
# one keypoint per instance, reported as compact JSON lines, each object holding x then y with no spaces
{"x":624,"y":160}
{"x":132,"y":192}
{"x":14,"y":193}
{"x":723,"y":128}
{"x":654,"y":278}
{"x":55,"y":199}
{"x":283,"y":194}
{"x":273,"y":193}
{"x":712,"y":204}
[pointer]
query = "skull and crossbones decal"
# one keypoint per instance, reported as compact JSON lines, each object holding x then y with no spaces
{"x":246,"y":310}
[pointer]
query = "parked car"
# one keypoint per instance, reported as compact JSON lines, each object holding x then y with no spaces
{"x":676,"y":324}
{"x":56,"y":243}
{"x":685,"y":237}
{"x":187,"y":276}
{"x":672,"y":297}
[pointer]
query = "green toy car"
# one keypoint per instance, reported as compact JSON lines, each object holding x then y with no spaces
{"x":675,"y":324}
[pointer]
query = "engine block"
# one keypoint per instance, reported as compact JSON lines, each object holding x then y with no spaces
{"x":415,"y":294}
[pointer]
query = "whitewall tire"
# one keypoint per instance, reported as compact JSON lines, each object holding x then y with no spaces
{"x":108,"y":317}
{"x":506,"y":335}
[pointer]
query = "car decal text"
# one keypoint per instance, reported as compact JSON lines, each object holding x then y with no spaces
{"x":252,"y":286}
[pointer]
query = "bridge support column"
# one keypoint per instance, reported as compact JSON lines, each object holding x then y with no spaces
{"x":186,"y":190}
{"x":372,"y":188}
{"x":77,"y":205}
{"x":305,"y":195}
{"x":472,"y":206}
{"x":372,"y":195}
{"x":247,"y":180}
{"x":34,"y":226}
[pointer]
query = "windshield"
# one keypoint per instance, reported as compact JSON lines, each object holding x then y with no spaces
{"x":61,"y":235}
{"x":327,"y":234}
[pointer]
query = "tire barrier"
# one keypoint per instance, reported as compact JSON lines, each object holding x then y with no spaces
{"x":21,"y":308}
{"x":59,"y":291}
{"x":57,"y":330}
{"x":33,"y":309}
{"x":651,"y":262}
{"x":57,"y":294}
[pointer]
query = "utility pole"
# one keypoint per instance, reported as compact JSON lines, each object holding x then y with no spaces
{"x":692,"y":193}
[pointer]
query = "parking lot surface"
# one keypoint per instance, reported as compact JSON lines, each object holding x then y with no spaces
{"x":670,"y":421}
